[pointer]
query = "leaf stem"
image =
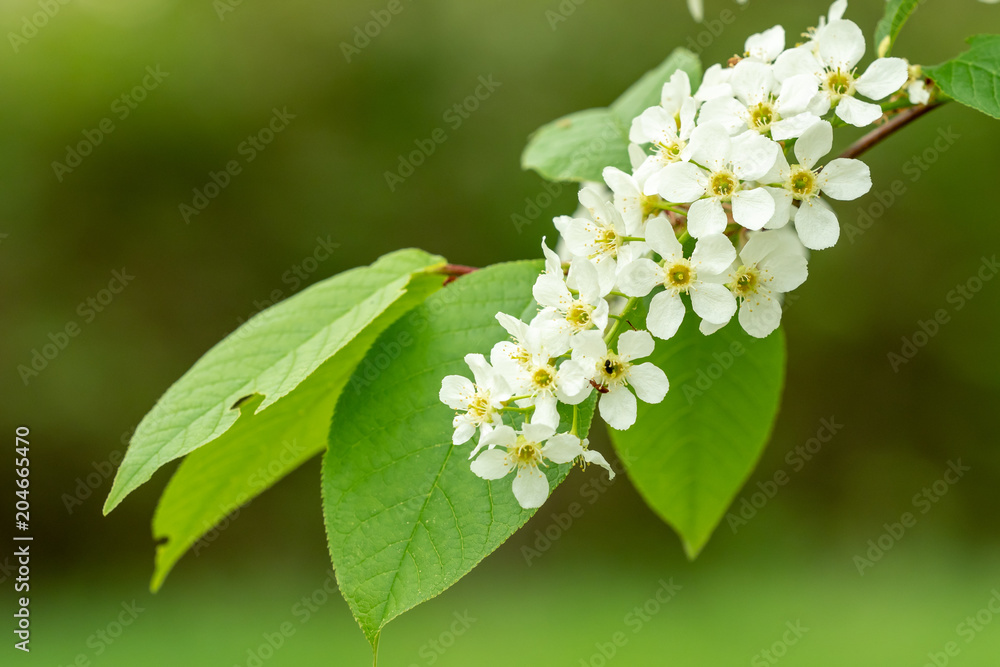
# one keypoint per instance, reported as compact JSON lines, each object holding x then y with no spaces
{"x":629,"y":305}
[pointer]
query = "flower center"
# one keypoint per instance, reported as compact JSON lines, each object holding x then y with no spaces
{"x":611,"y":370}
{"x":525,"y":453}
{"x":671,"y":152}
{"x":838,"y":83}
{"x":480,"y":409}
{"x":606,"y":241}
{"x":723,"y":184}
{"x":679,"y":275}
{"x":543,"y":377}
{"x":579,"y":314}
{"x":747,"y":281}
{"x":802,"y":182}
{"x":762,"y":115}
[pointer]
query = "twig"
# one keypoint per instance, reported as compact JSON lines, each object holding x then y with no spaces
{"x":878,"y":134}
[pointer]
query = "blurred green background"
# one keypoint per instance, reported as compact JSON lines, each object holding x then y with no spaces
{"x":228,"y":65}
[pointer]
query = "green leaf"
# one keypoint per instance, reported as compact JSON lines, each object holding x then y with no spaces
{"x":262,"y":361}
{"x":260,"y":449}
{"x":896,"y":14}
{"x":689,"y":455}
{"x":973,"y":78}
{"x":405,"y":516}
{"x":579,"y":146}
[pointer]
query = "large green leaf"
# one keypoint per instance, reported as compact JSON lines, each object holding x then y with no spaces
{"x":579,"y":146}
{"x":263,"y":360}
{"x":260,"y":449}
{"x":973,"y":78}
{"x":405,"y":516}
{"x":896,"y":14}
{"x":689,"y":455}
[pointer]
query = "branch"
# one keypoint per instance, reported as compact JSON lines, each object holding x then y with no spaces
{"x":455,"y":271}
{"x":898,"y":121}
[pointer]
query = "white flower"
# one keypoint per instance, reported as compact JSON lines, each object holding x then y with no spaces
{"x":599,"y":238}
{"x":916,"y":85}
{"x":841,"y":44}
{"x":697,"y":276}
{"x":714,"y":83}
{"x":765,"y":46}
{"x":843,"y":179}
{"x":524,"y":452}
{"x":728,"y":163}
{"x":629,"y":200}
{"x":614,"y":373}
{"x":585,"y":310}
{"x":762,"y":104}
{"x":479,"y":403}
{"x":666,"y":127}
{"x":529,"y":367}
{"x":768,"y":267}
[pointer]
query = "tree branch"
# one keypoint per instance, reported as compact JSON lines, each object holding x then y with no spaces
{"x":898,"y":121}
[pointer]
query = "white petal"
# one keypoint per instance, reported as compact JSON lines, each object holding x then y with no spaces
{"x":845,"y":179}
{"x":713,"y":254}
{"x":661,"y":238}
{"x":753,"y":208}
{"x":759,"y":316}
{"x":515,"y":327}
{"x":787,"y":268}
{"x":552,"y":262}
{"x":817,"y":225}
{"x":492,"y":464}
{"x":589,"y":345}
{"x":725,"y":111}
{"x":782,"y":208}
{"x":531,"y":487}
{"x":502,"y":435}
{"x":882,"y":78}
{"x":706,"y":216}
{"x":752,"y":81}
{"x":545,"y":411}
{"x":635,"y":345}
{"x":790,"y":128}
{"x":842,"y":45}
{"x":537,"y":432}
{"x":573,"y":385}
{"x":618,"y":408}
{"x":680,"y":182}
{"x":713,"y":302}
{"x":464,"y":429}
{"x":753,"y":155}
{"x":595,"y":457}
{"x":550,"y":290}
{"x":796,"y":62}
{"x":814,"y":143}
{"x":767,"y":45}
{"x":858,"y":113}
{"x":666,"y":312}
{"x":796,"y":93}
{"x":640,"y":277}
{"x":675,"y":92}
{"x":649,"y":381}
{"x":562,"y":448}
{"x":710,"y":145}
{"x":708,"y":328}
{"x":456,"y":392}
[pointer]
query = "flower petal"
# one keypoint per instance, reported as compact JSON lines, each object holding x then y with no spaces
{"x":635,"y":345}
{"x":845,"y":179}
{"x":760,"y":316}
{"x":666,"y":312}
{"x":858,"y":113}
{"x":713,"y":302}
{"x":661,"y":238}
{"x":842,"y":45}
{"x":618,"y":408}
{"x":817,"y":225}
{"x":562,"y":448}
{"x":456,"y":392}
{"x":680,"y":182}
{"x":706,"y":216}
{"x":649,"y":381}
{"x":640,"y":277}
{"x":492,"y":464}
{"x":713,"y":254}
{"x":531,"y":487}
{"x":752,"y":208}
{"x":537,"y":432}
{"x":882,"y":78}
{"x":815,"y":142}
{"x":595,"y":457}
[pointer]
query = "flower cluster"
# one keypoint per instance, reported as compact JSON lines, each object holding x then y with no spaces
{"x":726,"y":197}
